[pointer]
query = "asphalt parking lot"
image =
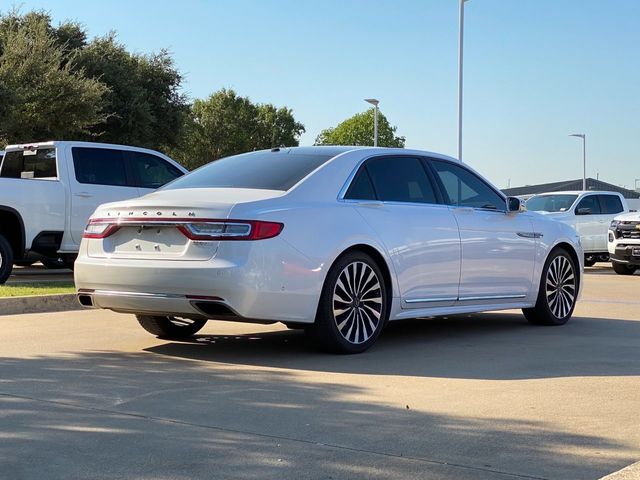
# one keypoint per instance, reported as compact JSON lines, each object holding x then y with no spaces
{"x":89,"y":394}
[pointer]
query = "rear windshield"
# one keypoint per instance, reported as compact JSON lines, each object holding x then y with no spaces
{"x":260,"y":170}
{"x":550,"y":203}
{"x":40,"y":163}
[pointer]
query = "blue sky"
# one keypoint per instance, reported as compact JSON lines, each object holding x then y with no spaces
{"x":535,"y":70}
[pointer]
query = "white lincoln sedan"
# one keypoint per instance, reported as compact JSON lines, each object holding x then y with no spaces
{"x":335,"y":240}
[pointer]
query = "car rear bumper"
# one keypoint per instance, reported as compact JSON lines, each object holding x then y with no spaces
{"x":272,"y":283}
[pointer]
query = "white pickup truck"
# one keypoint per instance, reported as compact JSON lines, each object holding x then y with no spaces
{"x":49,"y":190}
{"x":589,"y":212}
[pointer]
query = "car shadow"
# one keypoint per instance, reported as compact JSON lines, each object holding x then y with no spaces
{"x":480,"y":346}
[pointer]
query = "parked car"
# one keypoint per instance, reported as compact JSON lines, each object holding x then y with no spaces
{"x":335,"y":240}
{"x":624,"y":243}
{"x":48,"y":191}
{"x":590,"y":213}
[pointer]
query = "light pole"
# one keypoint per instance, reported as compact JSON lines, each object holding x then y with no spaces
{"x":635,"y":185}
{"x":584,"y":158}
{"x":460,"y":51}
{"x":375,"y":103}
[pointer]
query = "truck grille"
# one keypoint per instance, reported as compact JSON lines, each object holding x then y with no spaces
{"x":628,"y":230}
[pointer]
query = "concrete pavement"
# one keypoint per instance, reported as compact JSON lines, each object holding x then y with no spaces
{"x":89,"y":394}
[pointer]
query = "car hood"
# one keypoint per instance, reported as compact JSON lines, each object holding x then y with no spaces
{"x":628,"y":217}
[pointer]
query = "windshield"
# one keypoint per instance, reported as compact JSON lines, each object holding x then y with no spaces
{"x":550,"y":203}
{"x":271,"y":170}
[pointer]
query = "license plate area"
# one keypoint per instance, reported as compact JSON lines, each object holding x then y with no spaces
{"x":151,"y":242}
{"x":635,"y":252}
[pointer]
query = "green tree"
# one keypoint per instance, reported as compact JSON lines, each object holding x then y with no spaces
{"x":43,"y":94}
{"x":358,"y":130}
{"x":144,"y":101}
{"x":227,"y":124}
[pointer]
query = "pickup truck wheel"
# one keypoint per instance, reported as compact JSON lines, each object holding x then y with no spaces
{"x":6,"y":260}
{"x":170,"y":327}
{"x":557,"y":293}
{"x":622,"y":269}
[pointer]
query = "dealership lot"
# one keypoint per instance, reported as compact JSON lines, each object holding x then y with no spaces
{"x":90,"y":394}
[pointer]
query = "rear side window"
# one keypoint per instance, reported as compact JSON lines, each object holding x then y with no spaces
{"x":279,"y":170}
{"x":591,"y":203}
{"x":151,"y":171}
{"x":400,"y":179}
{"x":100,"y":166}
{"x":466,"y":189}
{"x":611,"y":204}
{"x":40,"y":163}
{"x":361,"y":187}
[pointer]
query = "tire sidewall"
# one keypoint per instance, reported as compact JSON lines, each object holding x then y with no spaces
{"x":6,"y":253}
{"x":542,"y":295}
{"x":325,"y":320}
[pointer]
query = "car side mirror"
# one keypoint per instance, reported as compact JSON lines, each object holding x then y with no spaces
{"x":513,"y":204}
{"x":583,"y":211}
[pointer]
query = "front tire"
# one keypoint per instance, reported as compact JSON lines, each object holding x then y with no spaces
{"x":622,"y":269}
{"x":6,"y":260}
{"x":558,"y":291}
{"x":354,"y":305}
{"x":170,"y":327}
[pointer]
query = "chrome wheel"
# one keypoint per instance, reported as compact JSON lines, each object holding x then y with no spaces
{"x":560,"y":286}
{"x":357,"y":302}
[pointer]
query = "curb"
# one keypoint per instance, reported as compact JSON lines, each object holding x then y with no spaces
{"x":632,"y":472}
{"x":39,"y":304}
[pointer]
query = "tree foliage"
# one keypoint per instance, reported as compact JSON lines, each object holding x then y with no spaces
{"x":43,"y":94}
{"x":359,"y":130}
{"x":56,"y":84}
{"x":226,"y":124}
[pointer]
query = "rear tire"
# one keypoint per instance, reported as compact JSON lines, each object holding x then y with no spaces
{"x":622,"y":269}
{"x":557,"y":293}
{"x":6,"y":260}
{"x":170,"y":327}
{"x":589,"y":260}
{"x":354,"y":305}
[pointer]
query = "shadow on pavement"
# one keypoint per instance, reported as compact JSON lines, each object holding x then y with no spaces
{"x":146,"y":415}
{"x":494,"y":346}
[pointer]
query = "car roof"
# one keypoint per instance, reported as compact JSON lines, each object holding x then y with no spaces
{"x":339,"y":149}
{"x":577,"y":192}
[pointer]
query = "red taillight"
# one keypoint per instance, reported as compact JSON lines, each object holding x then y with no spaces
{"x":231,"y":230}
{"x":100,"y":229}
{"x":192,"y":228}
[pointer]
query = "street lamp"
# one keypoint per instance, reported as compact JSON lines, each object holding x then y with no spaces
{"x":460,"y":49}
{"x":584,"y":158}
{"x":375,"y":103}
{"x":635,"y":185}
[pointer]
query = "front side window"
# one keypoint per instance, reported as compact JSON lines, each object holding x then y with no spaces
{"x":40,"y":163}
{"x":611,"y":204}
{"x":465,"y":189}
{"x":100,"y":166}
{"x":151,"y":171}
{"x":400,"y":179}
{"x":589,"y":205}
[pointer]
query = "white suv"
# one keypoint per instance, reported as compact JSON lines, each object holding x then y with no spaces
{"x":624,"y":243}
{"x":590,"y":213}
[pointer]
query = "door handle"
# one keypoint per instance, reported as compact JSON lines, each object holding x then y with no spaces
{"x":83,"y":195}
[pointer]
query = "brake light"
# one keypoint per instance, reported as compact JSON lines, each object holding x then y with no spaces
{"x":231,"y":230}
{"x":193,"y":228}
{"x":99,"y":230}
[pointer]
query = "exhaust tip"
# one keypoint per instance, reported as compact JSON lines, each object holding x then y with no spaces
{"x":85,"y":300}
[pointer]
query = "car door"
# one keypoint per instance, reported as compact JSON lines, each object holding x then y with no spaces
{"x":150,"y":171}
{"x":99,"y":175}
{"x":610,"y":205}
{"x":397,"y":197}
{"x":498,"y":248}
{"x":590,"y":223}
